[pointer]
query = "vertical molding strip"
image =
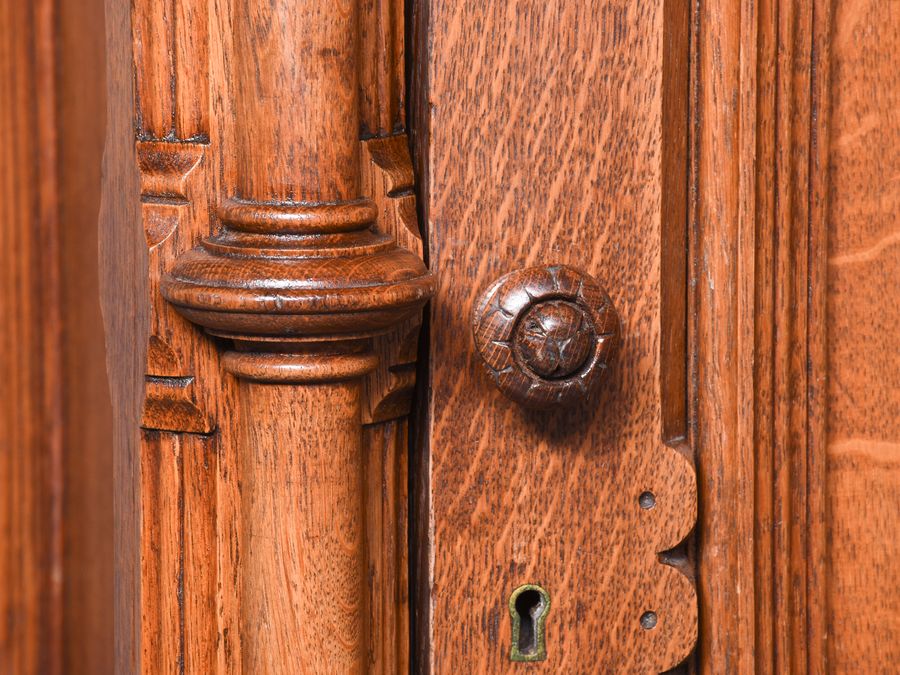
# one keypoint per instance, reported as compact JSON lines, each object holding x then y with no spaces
{"x":757,"y":248}
{"x":723,"y":301}
{"x":817,"y":365}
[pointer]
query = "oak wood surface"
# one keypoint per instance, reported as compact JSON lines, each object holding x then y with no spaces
{"x":57,"y":419}
{"x":795,"y":390}
{"x":676,"y":137}
{"x":756,"y":242}
{"x":863,"y":385}
{"x":722,"y":304}
{"x":252,"y":175}
{"x":552,"y":133}
{"x":87,"y":414}
{"x":387,"y":175}
{"x":303,"y":536}
{"x":31,"y":460}
{"x":124,"y":290}
{"x":539,"y":127}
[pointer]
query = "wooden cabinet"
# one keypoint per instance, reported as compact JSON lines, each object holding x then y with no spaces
{"x":445,"y":337}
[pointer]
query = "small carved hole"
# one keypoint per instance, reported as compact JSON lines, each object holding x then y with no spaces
{"x":528,"y":608}
{"x":648,"y":620}
{"x":647,"y":500}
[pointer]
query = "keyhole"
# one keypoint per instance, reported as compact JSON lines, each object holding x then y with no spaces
{"x":528,"y":607}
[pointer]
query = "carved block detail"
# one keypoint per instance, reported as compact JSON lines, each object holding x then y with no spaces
{"x":170,"y":404}
{"x":387,"y":178}
{"x":170,"y":172}
{"x":389,"y":388}
{"x":162,"y":359}
{"x":165,"y":168}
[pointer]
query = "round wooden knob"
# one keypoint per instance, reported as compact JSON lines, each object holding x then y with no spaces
{"x":546,"y":335}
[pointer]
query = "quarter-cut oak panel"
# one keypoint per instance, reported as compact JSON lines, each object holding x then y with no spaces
{"x":540,"y":130}
{"x":863,"y":282}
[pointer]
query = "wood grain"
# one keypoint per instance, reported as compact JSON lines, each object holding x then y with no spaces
{"x":863,"y":389}
{"x":311,"y":54}
{"x":31,"y":393}
{"x":266,"y":221}
{"x":87,"y":426}
{"x":756,"y":339}
{"x":303,"y":535}
{"x":724,"y":243}
{"x":126,"y":317}
{"x":755,"y":245}
{"x":547,"y":150}
{"x":177,"y":539}
{"x":387,"y":521}
{"x":382,"y":66}
{"x":676,"y":52}
{"x":56,"y":594}
{"x":171,"y":48}
{"x":804,"y":215}
{"x":387,"y":177}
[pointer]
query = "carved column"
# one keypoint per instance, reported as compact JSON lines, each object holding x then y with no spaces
{"x":300,"y":283}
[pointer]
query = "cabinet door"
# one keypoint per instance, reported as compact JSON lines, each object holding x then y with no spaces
{"x":636,"y":413}
{"x":728,"y":172}
{"x":560,"y":483}
{"x":647,"y":419}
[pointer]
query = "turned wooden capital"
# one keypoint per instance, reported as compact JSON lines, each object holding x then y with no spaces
{"x":296,"y":257}
{"x":270,"y":223}
{"x":301,"y":279}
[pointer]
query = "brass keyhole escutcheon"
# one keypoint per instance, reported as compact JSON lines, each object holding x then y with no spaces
{"x":528,"y":608}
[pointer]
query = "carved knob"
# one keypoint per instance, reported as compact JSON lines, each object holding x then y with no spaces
{"x":546,"y":335}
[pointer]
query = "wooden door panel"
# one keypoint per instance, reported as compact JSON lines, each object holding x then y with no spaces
{"x":545,"y":133}
{"x":863,"y":399}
